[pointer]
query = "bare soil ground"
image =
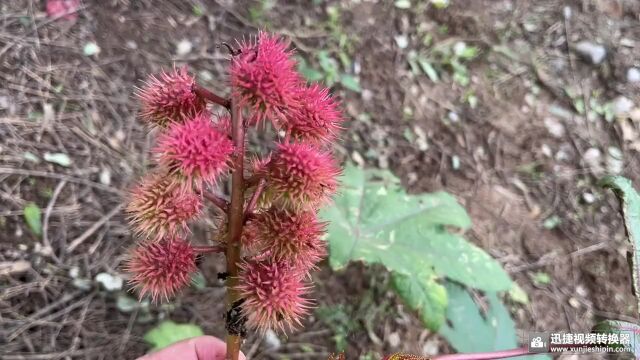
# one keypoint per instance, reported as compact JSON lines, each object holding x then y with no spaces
{"x":522,"y":146}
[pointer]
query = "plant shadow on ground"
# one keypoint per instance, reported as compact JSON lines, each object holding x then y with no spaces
{"x":519,"y":131}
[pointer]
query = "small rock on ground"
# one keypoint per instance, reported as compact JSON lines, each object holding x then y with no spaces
{"x":592,"y":52}
{"x":633,"y":75}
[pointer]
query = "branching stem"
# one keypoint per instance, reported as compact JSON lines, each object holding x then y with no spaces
{"x":217,"y":200}
{"x":236,"y":220}
{"x":253,"y":180}
{"x":254,"y":198}
{"x":209,"y":249}
{"x":209,"y":95}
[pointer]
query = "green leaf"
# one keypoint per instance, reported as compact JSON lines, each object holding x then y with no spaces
{"x":127,"y":304}
{"x":423,"y":294}
{"x":28,"y":155}
{"x":350,"y":82}
{"x":61,"y":159}
{"x":375,"y":221}
{"x":470,"y":331}
{"x":33,"y":217}
{"x":440,"y":4}
{"x":197,"y":10}
{"x":169,"y":332}
{"x":403,"y":4}
{"x":327,"y":63}
{"x":90,"y":49}
{"x":621,"y":327}
{"x":310,"y":74}
{"x":541,"y":278}
{"x":198,"y":280}
{"x":517,"y":294}
{"x":552,"y":222}
{"x":631,"y":212}
{"x":428,"y":69}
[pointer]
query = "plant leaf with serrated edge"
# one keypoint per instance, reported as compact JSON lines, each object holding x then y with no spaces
{"x":169,"y":332}
{"x":33,"y":217}
{"x":469,"y":330}
{"x":350,"y":83}
{"x":618,"y":327}
{"x":631,"y":212}
{"x":373,"y":220}
{"x":423,"y":294}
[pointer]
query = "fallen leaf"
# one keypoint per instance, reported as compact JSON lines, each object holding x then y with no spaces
{"x":110,"y":282}
{"x":14,"y":267}
{"x":61,"y":159}
{"x":33,"y":217}
{"x":90,"y":49}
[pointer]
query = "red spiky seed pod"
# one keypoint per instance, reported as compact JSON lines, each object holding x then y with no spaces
{"x":300,"y":176}
{"x":263,"y":77}
{"x":223,"y":124}
{"x":169,"y":98}
{"x":259,"y":165}
{"x":315,"y":116}
{"x":274,"y":295}
{"x":161,"y":268}
{"x":195,"y":150}
{"x":158,"y":206}
{"x":294,"y":238}
{"x":249,"y":240}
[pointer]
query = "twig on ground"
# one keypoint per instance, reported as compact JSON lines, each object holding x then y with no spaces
{"x":47,"y":214}
{"x":69,"y":178}
{"x":552,"y":257}
{"x":85,"y":235}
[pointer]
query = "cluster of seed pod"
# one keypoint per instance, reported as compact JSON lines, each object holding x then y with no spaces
{"x":282,"y":235}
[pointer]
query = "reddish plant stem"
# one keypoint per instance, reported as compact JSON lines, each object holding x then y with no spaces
{"x":485,"y":356}
{"x":207,"y":94}
{"x":209,"y":249}
{"x":236,"y":219}
{"x":254,"y":198}
{"x":253,"y":180}
{"x":216,"y":200}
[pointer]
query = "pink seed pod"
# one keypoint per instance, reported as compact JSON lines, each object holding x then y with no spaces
{"x":293,"y":238}
{"x":223,"y":124}
{"x":161,"y":268}
{"x":195,"y":150}
{"x":273,"y":295}
{"x":263,"y":77}
{"x":169,"y":98}
{"x":315,"y":116}
{"x":300,"y":176}
{"x":158,"y":207}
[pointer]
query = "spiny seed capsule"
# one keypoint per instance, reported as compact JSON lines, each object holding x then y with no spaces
{"x":162,"y":267}
{"x":300,"y":176}
{"x":291,"y":237}
{"x":314,"y":117}
{"x":263,"y":77}
{"x":273,"y":294}
{"x":195,"y":150}
{"x":160,"y":207}
{"x":169,"y":98}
